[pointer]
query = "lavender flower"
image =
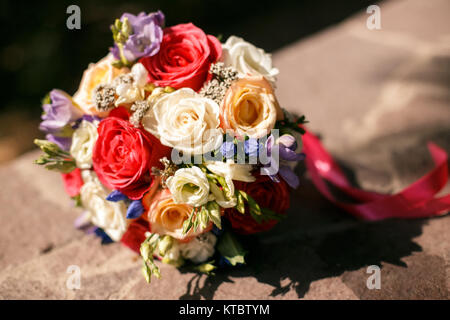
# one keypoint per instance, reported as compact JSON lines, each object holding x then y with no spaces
{"x":59,"y":112}
{"x":137,"y":36}
{"x":228,"y":149}
{"x":63,"y":142}
{"x":287,"y":146}
{"x":251,"y":147}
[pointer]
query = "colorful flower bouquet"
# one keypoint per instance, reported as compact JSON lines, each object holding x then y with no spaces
{"x":173,"y":143}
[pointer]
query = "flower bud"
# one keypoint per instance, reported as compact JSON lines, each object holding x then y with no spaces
{"x":165,"y":244}
{"x":288,"y":141}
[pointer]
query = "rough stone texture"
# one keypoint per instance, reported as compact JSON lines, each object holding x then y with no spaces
{"x":376,"y":98}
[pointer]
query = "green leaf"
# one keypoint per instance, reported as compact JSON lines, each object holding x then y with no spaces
{"x":214,"y":213}
{"x":147,"y":249}
{"x":231,"y":249}
{"x":188,"y":224}
{"x":206,"y":267}
{"x":77,"y":200}
{"x":147,"y":273}
{"x":46,"y":99}
{"x":62,"y":166}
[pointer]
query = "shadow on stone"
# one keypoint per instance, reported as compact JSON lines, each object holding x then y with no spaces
{"x":319,"y":241}
{"x":292,"y":264}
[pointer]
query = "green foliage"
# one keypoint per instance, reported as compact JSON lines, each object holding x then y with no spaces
{"x":292,"y":125}
{"x":201,"y":216}
{"x":206,"y":267}
{"x":231,"y":249}
{"x":147,"y":249}
{"x":54,"y":158}
{"x":258,"y":214}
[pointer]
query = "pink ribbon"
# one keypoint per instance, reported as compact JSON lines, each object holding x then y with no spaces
{"x":416,"y":201}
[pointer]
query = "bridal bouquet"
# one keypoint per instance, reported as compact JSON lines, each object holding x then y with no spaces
{"x":173,"y":143}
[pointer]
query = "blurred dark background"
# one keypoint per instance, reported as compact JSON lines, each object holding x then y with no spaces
{"x":38,"y":52}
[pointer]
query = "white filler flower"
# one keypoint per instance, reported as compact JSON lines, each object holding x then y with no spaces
{"x":236,"y":171}
{"x":200,"y":248}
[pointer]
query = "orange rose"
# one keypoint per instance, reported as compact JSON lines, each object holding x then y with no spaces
{"x":167,"y":217}
{"x":250,"y":108}
{"x":101,"y":72}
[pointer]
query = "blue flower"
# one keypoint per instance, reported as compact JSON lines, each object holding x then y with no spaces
{"x":251,"y":147}
{"x":135,"y":209}
{"x":116,"y":195}
{"x":228,"y":149}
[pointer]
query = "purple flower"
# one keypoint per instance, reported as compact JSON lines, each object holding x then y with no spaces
{"x":289,"y":176}
{"x":228,"y":149}
{"x":59,"y":113}
{"x":145,"y":38}
{"x":251,"y":147}
{"x":63,"y":142}
{"x":286,"y":147}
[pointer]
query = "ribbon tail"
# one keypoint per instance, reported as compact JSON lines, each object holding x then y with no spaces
{"x":415,"y":201}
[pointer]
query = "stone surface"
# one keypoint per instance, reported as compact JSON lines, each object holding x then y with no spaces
{"x":375,"y":97}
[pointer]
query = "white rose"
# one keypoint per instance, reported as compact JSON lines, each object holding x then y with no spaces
{"x":248,"y":59}
{"x":236,"y":171}
{"x":200,"y":248}
{"x":110,"y":216}
{"x":189,"y":186}
{"x":186,"y":121}
{"x":133,"y":91}
{"x":83,"y":141}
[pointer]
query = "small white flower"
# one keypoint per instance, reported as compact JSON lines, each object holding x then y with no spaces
{"x":248,"y":59}
{"x":186,"y":121}
{"x":200,"y":248}
{"x":110,"y":216}
{"x":236,"y":171}
{"x":83,"y":141}
{"x":219,"y":195}
{"x":189,"y":186}
{"x":134,"y":91}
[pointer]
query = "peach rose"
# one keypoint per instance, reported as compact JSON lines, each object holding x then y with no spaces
{"x":250,"y":108}
{"x":167,"y":217}
{"x":101,"y":72}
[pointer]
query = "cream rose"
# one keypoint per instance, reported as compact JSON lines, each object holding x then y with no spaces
{"x":248,"y":59}
{"x":167,"y":217}
{"x":199,"y":249}
{"x":83,"y":141}
{"x":186,"y":121}
{"x":101,"y":72}
{"x":236,"y":171}
{"x":110,"y":216}
{"x":250,"y":108}
{"x":189,"y":186}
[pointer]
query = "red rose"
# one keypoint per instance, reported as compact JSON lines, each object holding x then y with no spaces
{"x":124,"y":155}
{"x":268,"y":194}
{"x":135,"y":234}
{"x":184,"y":57}
{"x":72,"y":182}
